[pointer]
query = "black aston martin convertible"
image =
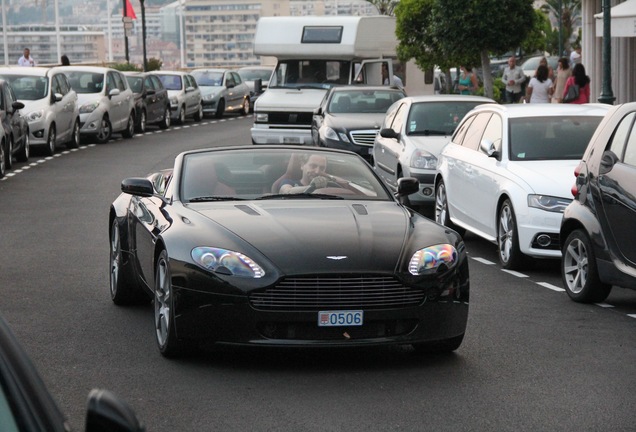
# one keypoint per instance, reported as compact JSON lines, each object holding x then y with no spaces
{"x":285,"y":246}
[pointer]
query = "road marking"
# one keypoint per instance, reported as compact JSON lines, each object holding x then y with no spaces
{"x":483,"y":261}
{"x":631,"y":315}
{"x":604,"y":305}
{"x":514,"y":273}
{"x":550,"y":286}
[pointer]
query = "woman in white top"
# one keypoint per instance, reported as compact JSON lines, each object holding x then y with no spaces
{"x":540,"y":87}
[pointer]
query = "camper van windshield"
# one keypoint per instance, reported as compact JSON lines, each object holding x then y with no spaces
{"x":322,"y":74}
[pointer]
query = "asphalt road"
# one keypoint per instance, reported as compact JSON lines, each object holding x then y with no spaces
{"x":532,"y":360}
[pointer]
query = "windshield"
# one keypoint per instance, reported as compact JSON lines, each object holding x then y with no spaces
{"x":135,"y":83}
{"x":86,"y":82}
{"x":254,"y":74}
{"x":171,"y":82}
{"x":437,"y":118}
{"x":263,"y":175}
{"x":311,"y":73}
{"x":551,"y":138}
{"x":363,"y":101}
{"x":208,"y":78}
{"x":28,"y":87}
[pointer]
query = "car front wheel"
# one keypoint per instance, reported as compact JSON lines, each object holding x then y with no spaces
{"x":442,"y":216}
{"x":141,"y":125}
{"x":579,"y":270}
{"x":3,"y":166}
{"x":245,"y":109}
{"x":51,"y":141}
{"x":510,"y":255}
{"x":74,"y":142}
{"x":182,"y":115}
{"x":198,"y":116}
{"x":165,"y":332}
{"x":25,"y":150}
{"x":165,"y":123}
{"x":105,"y":131}
{"x":129,"y":132}
{"x":123,"y":290}
{"x":220,"y":109}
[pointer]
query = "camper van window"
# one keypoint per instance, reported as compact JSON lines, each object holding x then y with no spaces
{"x":312,"y":34}
{"x":314,"y":73}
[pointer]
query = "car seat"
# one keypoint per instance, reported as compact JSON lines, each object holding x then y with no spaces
{"x":294,"y":171}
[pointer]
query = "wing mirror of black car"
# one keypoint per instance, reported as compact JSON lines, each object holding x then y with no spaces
{"x":489,"y":148}
{"x":107,"y":412}
{"x":138,"y":186}
{"x":150,"y":92}
{"x":258,"y":86}
{"x":113,"y":92}
{"x":17,"y":105}
{"x":389,"y":133}
{"x":407,"y":186}
{"x":608,"y":160}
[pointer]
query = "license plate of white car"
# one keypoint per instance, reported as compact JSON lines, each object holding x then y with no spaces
{"x":291,"y":140}
{"x":343,"y":318}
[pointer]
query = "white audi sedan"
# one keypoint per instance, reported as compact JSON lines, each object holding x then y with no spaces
{"x":506,"y":175}
{"x":413,"y":133}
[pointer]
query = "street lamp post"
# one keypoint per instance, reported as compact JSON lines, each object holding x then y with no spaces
{"x":607,"y":96}
{"x":125,"y":33}
{"x":560,"y":28}
{"x":143,"y":33}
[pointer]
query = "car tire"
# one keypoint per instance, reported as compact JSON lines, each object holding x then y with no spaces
{"x":23,"y":154}
{"x":3,"y":165}
{"x":245,"y":109}
{"x":165,"y":333}
{"x":580,"y":272}
{"x":182,"y":115}
{"x":123,"y":290}
{"x":198,"y":116}
{"x":220,"y":109}
{"x":165,"y":123}
{"x":129,"y":132}
{"x":510,"y":255}
{"x":74,"y":142}
{"x":141,"y":124}
{"x":442,"y":215}
{"x":9,"y":153}
{"x":105,"y":131}
{"x":51,"y":140}
{"x":439,"y":347}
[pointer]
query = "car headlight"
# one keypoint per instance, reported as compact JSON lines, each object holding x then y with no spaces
{"x":424,"y":160}
{"x":34,"y":115}
{"x":209,"y":97}
{"x":261,"y":117}
{"x":336,"y":136}
{"x":89,"y":107}
{"x":226,"y":262}
{"x":433,"y":258}
{"x":174,"y":100}
{"x":548,"y":203}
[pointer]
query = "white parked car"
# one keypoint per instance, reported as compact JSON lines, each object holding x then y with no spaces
{"x":222,"y":91}
{"x":107,"y":104}
{"x":506,"y":175}
{"x":251,"y":75}
{"x":184,"y":94}
{"x":51,"y":106}
{"x":413,"y":132}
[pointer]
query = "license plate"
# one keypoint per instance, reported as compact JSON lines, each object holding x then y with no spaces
{"x":340,"y":318}
{"x":291,"y":140}
{"x":370,"y":150}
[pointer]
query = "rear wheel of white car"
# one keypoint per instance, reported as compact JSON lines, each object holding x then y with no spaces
{"x":442,"y":216}
{"x":245,"y":109}
{"x":165,"y":123}
{"x":74,"y":142}
{"x":23,"y":154}
{"x":510,"y":255}
{"x":129,"y":132}
{"x":579,"y":270}
{"x":199,"y":114}
{"x":165,"y":332}
{"x":220,"y":108}
{"x":51,"y":140}
{"x":123,"y":290}
{"x":105,"y":131}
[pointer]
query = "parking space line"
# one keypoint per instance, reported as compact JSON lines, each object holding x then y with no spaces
{"x":604,"y":305}
{"x":631,"y":315}
{"x":550,"y":286}
{"x":514,"y":273}
{"x":483,"y":261}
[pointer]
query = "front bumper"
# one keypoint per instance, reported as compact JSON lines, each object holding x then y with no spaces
{"x":210,"y":106}
{"x":39,"y":132}
{"x":263,"y":134}
{"x":90,"y":122}
{"x":426,"y":194}
{"x":536,"y":222}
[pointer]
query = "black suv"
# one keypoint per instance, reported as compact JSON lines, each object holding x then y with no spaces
{"x":598,"y":231}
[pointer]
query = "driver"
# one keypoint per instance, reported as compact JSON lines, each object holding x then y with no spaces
{"x":313,"y":177}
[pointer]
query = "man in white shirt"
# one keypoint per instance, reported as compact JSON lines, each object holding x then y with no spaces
{"x":385,"y":77}
{"x":26,"y":59}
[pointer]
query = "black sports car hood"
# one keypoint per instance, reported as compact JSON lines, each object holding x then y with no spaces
{"x":317,"y":236}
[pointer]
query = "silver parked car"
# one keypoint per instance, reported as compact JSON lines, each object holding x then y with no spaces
{"x":184,"y":94}
{"x":51,"y":106}
{"x":251,"y":75}
{"x":107,"y":104}
{"x":222,"y":91}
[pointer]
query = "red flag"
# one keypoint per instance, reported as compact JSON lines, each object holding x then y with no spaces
{"x":130,"y":12}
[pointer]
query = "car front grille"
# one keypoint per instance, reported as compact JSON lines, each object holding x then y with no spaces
{"x":342,"y":292}
{"x":302,"y":119}
{"x":364,"y":137}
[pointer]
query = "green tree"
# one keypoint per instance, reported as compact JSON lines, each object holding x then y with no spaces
{"x":384,"y":7}
{"x":570,"y":11}
{"x":154,"y":64}
{"x":538,"y":37}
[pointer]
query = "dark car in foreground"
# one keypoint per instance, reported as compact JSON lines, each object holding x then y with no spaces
{"x":349,"y":117}
{"x":27,"y":405}
{"x":598,"y":231}
{"x":227,"y":257}
{"x":152,"y":105}
{"x":16,"y":128}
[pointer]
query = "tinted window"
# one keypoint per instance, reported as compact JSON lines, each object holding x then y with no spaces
{"x":363,"y":101}
{"x":28,"y":87}
{"x":157,"y":83}
{"x":461,"y":132}
{"x":630,"y":149}
{"x":551,"y":138}
{"x":86,"y":82}
{"x":135,"y":83}
{"x":254,"y":74}
{"x":400,"y":116}
{"x":476,"y":131}
{"x":617,"y":143}
{"x":208,"y":78}
{"x":437,"y":118}
{"x":120,"y":81}
{"x":171,"y":82}
{"x":493,"y":132}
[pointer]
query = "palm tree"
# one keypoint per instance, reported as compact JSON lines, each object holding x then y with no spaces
{"x":570,"y":16}
{"x":384,"y":7}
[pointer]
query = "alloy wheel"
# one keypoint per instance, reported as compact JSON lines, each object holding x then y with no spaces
{"x":163,"y":300}
{"x":575,"y":265}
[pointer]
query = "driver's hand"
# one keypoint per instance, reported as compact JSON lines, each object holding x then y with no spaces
{"x":319,"y":182}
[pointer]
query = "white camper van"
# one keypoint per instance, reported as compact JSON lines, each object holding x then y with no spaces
{"x":313,"y":54}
